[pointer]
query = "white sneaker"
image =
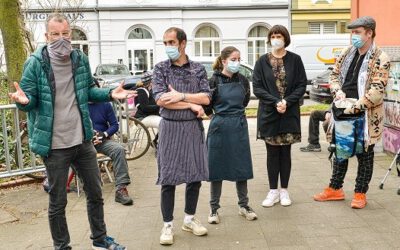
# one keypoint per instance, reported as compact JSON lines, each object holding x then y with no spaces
{"x":167,"y":235}
{"x":285,"y":199}
{"x":213,"y":218}
{"x":271,"y":199}
{"x":195,"y":227}
{"x":247,"y":212}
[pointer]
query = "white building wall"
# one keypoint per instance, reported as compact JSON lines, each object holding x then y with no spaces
{"x":233,"y":19}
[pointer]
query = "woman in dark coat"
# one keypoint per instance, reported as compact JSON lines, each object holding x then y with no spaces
{"x":279,"y":82}
{"x":228,"y":136}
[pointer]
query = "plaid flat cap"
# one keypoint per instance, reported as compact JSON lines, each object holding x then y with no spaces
{"x":364,"y":21}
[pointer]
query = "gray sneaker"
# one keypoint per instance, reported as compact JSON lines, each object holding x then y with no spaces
{"x":167,"y":235}
{"x":195,"y":227}
{"x":248,"y":213}
{"x":311,"y":148}
{"x":213,"y":218}
{"x":122,"y":196}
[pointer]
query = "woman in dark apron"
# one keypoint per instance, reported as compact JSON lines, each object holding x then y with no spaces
{"x":228,"y":137}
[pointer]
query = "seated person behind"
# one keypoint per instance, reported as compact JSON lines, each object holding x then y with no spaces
{"x":106,"y":125}
{"x":313,"y":129}
{"x":147,"y":109}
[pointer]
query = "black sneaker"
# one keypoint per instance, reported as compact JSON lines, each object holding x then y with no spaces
{"x":311,"y":148}
{"x":109,"y":243}
{"x":122,"y":196}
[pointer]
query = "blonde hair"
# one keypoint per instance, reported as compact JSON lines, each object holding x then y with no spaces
{"x":139,"y":84}
{"x":225,"y":53}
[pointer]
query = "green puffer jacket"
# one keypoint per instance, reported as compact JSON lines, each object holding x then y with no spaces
{"x":39,"y":86}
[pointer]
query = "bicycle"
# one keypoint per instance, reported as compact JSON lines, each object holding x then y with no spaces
{"x":133,"y":134}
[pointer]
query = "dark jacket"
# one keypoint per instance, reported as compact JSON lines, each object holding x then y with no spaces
{"x":145,"y":103}
{"x":39,"y":86}
{"x":103,"y":118}
{"x":269,"y":121}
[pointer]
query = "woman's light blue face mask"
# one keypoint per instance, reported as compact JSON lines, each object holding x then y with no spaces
{"x":233,"y":66}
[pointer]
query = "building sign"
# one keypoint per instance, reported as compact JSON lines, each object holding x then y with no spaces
{"x":72,"y":16}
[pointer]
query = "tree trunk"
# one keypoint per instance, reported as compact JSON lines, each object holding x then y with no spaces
{"x":12,"y":30}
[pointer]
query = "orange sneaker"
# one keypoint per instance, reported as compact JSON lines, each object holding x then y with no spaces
{"x":359,"y":201}
{"x":330,"y":194}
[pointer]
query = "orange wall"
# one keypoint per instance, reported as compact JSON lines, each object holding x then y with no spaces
{"x":387,"y":16}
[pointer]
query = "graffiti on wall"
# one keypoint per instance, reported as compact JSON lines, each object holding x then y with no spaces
{"x":392,"y":114}
{"x":391,"y":139}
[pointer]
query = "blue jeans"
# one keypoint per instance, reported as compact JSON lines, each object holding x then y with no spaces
{"x":57,"y":164}
{"x":116,"y":152}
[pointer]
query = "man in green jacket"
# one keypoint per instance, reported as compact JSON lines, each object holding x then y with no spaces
{"x":56,"y":86}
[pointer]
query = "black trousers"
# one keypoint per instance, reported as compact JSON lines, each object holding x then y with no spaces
{"x":168,"y":200}
{"x":313,"y":126}
{"x":364,"y":172}
{"x":279,"y":164}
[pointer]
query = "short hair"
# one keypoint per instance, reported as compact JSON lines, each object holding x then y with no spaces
{"x":279,"y":29}
{"x":180,"y":33}
{"x":58,"y":17}
{"x":373,"y":32}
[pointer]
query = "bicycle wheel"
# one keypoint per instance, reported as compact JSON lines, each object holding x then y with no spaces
{"x":138,"y":141}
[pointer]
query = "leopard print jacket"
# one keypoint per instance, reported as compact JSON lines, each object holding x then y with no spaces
{"x":372,"y":101}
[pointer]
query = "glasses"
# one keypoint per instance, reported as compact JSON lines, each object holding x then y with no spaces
{"x":64,"y":34}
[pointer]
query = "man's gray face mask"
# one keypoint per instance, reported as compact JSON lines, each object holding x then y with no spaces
{"x":60,"y":49}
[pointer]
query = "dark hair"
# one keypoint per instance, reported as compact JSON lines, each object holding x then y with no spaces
{"x":180,"y":33}
{"x":225,"y":53}
{"x":279,"y":29}
{"x":373,"y":32}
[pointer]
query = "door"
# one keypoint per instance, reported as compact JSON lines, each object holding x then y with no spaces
{"x":140,"y":60}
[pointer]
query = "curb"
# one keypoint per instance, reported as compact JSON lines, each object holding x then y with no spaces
{"x":18,"y":182}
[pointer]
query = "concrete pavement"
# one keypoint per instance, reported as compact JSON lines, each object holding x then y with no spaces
{"x":304,"y":225}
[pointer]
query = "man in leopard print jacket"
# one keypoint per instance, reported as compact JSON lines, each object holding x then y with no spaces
{"x":361,"y":72}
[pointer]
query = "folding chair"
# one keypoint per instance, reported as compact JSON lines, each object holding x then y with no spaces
{"x":102,"y":160}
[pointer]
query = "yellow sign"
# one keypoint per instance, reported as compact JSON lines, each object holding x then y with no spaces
{"x":335,"y":53}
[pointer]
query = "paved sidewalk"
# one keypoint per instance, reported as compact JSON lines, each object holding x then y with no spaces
{"x":304,"y":225}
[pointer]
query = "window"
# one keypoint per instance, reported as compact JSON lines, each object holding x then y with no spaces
{"x":140,"y":47}
{"x":322,"y":28}
{"x":206,"y":42}
{"x":140,"y":33}
{"x":256,"y":43}
{"x":79,"y":41}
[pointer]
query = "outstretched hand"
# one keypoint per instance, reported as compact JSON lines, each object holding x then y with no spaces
{"x":121,"y":93}
{"x":19,"y":95}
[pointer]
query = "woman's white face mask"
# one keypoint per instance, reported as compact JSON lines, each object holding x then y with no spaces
{"x":277,"y":43}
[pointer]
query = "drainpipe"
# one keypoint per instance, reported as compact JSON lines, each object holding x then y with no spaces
{"x":290,"y":16}
{"x":98,"y":29}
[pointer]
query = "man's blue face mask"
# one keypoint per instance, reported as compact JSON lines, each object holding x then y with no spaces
{"x":357,"y":41}
{"x":172,"y":52}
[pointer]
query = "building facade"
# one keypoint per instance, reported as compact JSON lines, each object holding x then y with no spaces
{"x":387,"y":22}
{"x":319,"y":16}
{"x":131,"y":31}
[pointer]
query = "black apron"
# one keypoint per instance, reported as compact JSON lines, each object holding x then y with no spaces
{"x":229,"y":156}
